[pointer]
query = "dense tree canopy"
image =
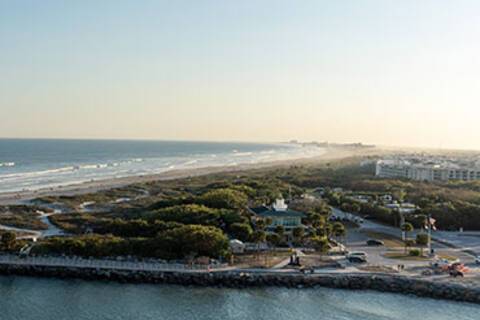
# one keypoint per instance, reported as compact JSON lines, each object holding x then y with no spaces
{"x":8,"y":240}
{"x":173,"y":243}
{"x":241,"y":231}
{"x":224,"y":199}
{"x":190,"y":240}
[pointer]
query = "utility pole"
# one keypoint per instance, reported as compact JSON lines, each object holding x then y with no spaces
{"x":429,"y":226}
{"x":402,"y":222}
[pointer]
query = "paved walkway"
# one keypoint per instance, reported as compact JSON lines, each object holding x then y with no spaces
{"x":286,"y":262}
{"x":29,"y":234}
{"x":107,"y":264}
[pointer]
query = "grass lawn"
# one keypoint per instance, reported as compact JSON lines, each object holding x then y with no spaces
{"x":389,"y":240}
{"x":403,"y":256}
{"x":262,"y":260}
{"x":447,"y":256}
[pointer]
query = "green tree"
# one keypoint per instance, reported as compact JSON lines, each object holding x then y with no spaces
{"x":9,"y":240}
{"x":407,"y":227}
{"x":400,"y":195}
{"x":280,"y":230}
{"x":339,"y":230}
{"x":317,"y":221}
{"x":320,"y":243}
{"x":273,"y":239}
{"x":260,"y":224}
{"x":224,"y":199}
{"x":355,"y":208}
{"x":422,"y":240}
{"x":241,"y":231}
{"x":191,"y":239}
{"x":298,"y":233}
{"x":408,"y":244}
{"x":346,"y":207}
{"x":258,"y":237}
{"x":188,"y":214}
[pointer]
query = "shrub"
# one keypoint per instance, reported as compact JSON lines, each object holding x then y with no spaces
{"x":422,"y":239}
{"x":415,"y":253}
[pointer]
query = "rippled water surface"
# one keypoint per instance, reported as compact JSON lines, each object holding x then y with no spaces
{"x":42,"y":299}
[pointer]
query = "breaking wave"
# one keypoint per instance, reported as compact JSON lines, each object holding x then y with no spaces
{"x":7,"y":164}
{"x":37,"y":177}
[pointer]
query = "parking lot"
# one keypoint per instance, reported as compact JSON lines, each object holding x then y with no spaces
{"x":392,"y":253}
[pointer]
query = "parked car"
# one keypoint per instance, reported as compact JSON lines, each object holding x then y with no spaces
{"x":357,"y":259}
{"x":477,"y":260}
{"x":456,"y":273}
{"x":375,"y":243}
{"x":440,"y":263}
{"x":357,"y":254}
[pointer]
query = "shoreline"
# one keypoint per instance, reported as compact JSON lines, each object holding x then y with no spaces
{"x":19,"y":197}
{"x":240,"y":279}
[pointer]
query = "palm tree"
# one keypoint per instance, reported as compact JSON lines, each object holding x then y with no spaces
{"x":258,"y":237}
{"x":280,"y":230}
{"x":339,"y":230}
{"x":298,"y":234}
{"x":273,"y":240}
{"x":260,"y":224}
{"x":407,"y":227}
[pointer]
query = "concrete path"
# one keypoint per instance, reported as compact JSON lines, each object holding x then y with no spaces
{"x":31,"y":234}
{"x":286,"y":262}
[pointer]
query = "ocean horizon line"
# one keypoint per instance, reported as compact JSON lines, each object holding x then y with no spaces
{"x":143,"y":140}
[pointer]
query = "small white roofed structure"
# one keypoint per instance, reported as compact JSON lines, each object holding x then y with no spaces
{"x":237,"y":246}
{"x":280,"y":205}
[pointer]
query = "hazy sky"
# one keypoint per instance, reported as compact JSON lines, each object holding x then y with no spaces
{"x":399,"y":72}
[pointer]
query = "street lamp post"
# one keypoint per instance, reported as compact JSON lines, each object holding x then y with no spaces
{"x":402,"y":222}
{"x":429,"y":226}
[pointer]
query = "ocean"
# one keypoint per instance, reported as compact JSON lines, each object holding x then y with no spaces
{"x":32,"y":164}
{"x":25,"y":298}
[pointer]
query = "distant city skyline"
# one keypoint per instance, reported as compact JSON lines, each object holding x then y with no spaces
{"x":398,"y":73}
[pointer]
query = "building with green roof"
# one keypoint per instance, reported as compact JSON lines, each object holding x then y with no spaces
{"x":280,"y":215}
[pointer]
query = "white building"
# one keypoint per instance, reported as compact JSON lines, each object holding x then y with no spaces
{"x":426,"y":171}
{"x":237,"y":246}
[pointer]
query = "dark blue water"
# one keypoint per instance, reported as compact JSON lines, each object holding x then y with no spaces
{"x":48,"y":299}
{"x":34,"y":164}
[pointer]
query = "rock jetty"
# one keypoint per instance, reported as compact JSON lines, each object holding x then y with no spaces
{"x":239,"y":279}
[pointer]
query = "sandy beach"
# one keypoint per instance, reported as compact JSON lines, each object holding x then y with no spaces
{"x":98,"y":185}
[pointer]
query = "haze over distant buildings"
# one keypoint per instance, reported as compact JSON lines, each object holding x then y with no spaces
{"x":382,"y":72}
{"x":430,"y":168}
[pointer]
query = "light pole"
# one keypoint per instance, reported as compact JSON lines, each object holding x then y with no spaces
{"x":402,"y":222}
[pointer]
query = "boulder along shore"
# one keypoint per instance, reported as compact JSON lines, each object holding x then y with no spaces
{"x":238,"y":279}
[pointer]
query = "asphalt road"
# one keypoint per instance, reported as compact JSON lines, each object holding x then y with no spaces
{"x":357,"y":237}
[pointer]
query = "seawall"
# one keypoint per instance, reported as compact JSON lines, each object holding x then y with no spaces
{"x":238,"y":279}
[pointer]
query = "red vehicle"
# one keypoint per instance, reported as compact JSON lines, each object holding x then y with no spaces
{"x":457,"y":270}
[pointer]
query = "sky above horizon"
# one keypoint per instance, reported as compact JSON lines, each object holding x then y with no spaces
{"x":387,"y":72}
